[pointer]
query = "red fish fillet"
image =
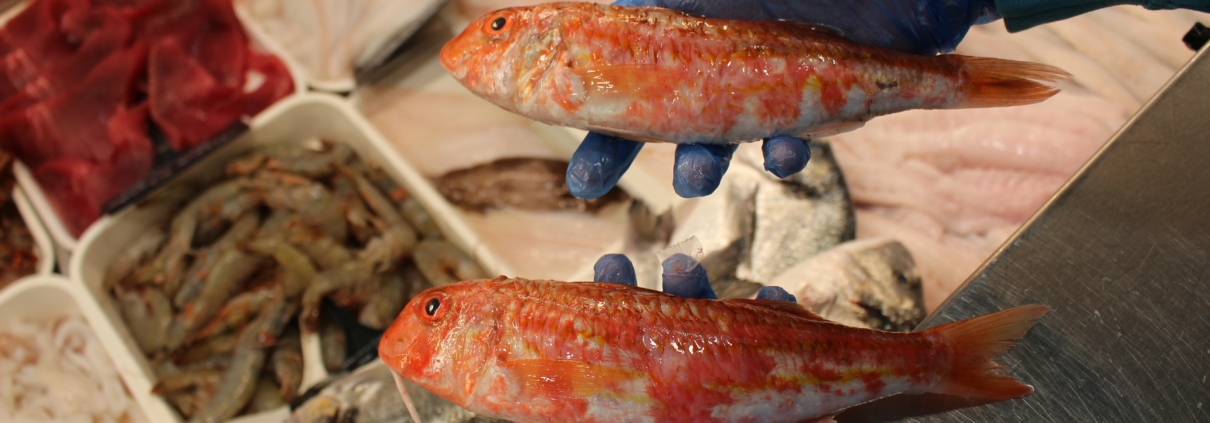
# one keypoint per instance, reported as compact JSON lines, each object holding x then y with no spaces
{"x":543,"y":351}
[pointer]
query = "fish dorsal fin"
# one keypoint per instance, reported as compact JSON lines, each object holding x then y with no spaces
{"x":625,"y":80}
{"x":557,"y":379}
{"x":787,"y":307}
{"x":822,"y":29}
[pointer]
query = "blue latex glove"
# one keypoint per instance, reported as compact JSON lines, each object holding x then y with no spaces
{"x":683,"y":277}
{"x":916,"y":26}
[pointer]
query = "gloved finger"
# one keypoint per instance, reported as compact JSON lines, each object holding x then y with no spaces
{"x":598,"y":164}
{"x":913,"y":26}
{"x":785,"y":156}
{"x":699,"y":168}
{"x":775,"y":293}
{"x":614,"y":268}
{"x":686,"y":278}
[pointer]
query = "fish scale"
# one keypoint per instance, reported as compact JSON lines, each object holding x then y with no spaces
{"x":657,"y":75}
{"x":539,"y":351}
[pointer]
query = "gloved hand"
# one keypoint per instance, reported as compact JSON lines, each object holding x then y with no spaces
{"x":683,"y":277}
{"x":916,"y":26}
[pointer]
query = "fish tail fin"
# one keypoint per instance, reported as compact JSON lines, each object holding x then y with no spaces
{"x":974,"y":342}
{"x":1000,"y":83}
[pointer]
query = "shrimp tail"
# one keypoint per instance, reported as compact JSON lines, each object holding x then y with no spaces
{"x":974,"y":342}
{"x":1000,"y":83}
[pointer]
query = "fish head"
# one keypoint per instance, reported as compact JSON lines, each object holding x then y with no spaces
{"x":502,"y":55}
{"x":443,"y":339}
{"x":890,"y":291}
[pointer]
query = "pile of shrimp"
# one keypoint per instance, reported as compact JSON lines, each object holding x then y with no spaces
{"x":17,"y":257}
{"x":54,"y":369}
{"x":211,"y":297}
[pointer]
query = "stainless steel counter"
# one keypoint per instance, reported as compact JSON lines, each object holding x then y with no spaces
{"x":1122,"y":256}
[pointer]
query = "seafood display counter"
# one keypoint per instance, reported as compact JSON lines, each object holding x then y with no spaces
{"x":1121,"y":254}
{"x":379,"y":187}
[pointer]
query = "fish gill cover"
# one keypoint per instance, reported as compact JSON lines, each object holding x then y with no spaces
{"x":87,"y":82}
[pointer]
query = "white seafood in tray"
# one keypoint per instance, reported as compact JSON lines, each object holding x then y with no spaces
{"x":330,"y":39}
{"x":54,"y":363}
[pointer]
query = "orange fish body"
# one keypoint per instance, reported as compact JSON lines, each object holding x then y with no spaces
{"x":543,"y":351}
{"x":657,"y":75}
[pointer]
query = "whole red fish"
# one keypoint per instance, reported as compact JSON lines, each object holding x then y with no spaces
{"x":658,"y":75}
{"x":543,"y":351}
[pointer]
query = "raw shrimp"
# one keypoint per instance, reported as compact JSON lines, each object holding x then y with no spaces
{"x":442,"y":263}
{"x":287,"y":363}
{"x":139,"y":250}
{"x":239,"y":381}
{"x":419,"y":218}
{"x":229,"y":271}
{"x":238,"y":311}
{"x":166,"y":268}
{"x":382,"y":307}
{"x":332,"y":344}
{"x":295,"y":267}
{"x":289,"y":157}
{"x":327,"y":282}
{"x":323,"y":250}
{"x":212,"y":346}
{"x":240,"y":231}
{"x":265,"y":397}
{"x":148,"y":313}
{"x":397,"y":240}
{"x":212,"y":222}
{"x":345,"y":191}
{"x":203,"y":379}
{"x":311,"y":200}
{"x":412,"y":211}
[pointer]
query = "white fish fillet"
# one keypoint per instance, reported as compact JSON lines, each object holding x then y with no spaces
{"x":953,"y":185}
{"x":550,"y":245}
{"x":439,"y":126}
{"x":329,"y":38}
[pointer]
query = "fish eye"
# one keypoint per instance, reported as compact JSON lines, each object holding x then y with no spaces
{"x":431,"y":307}
{"x":499,"y":24}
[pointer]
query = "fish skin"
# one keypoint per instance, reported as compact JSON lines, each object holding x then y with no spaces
{"x":870,"y":283}
{"x":658,"y":75}
{"x":545,"y":351}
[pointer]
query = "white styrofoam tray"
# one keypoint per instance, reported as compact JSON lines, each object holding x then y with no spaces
{"x":45,"y":250}
{"x":295,"y":119}
{"x":426,"y":9}
{"x":64,"y":242}
{"x":50,"y":296}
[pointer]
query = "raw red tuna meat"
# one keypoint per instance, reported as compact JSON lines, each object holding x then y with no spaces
{"x":83,"y":81}
{"x":186,"y":100}
{"x":73,"y":123}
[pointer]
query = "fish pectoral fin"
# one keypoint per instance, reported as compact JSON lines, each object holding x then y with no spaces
{"x":611,"y":81}
{"x":565,"y":378}
{"x":782,"y":306}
